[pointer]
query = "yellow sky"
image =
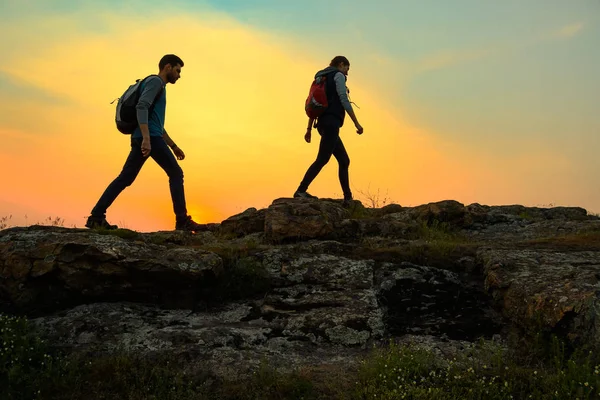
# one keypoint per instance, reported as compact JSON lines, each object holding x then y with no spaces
{"x":237,"y":113}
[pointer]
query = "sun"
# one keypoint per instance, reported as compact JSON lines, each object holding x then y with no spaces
{"x":203,"y":214}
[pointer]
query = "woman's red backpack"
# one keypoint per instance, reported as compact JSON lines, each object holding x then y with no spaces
{"x":316,"y":102}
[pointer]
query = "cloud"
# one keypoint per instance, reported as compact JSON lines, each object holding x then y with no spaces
{"x":18,"y":95}
{"x":448,"y":58}
{"x":18,"y":90}
{"x":569,"y":31}
{"x":451,"y":57}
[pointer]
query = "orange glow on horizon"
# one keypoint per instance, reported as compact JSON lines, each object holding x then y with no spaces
{"x":237,"y":114}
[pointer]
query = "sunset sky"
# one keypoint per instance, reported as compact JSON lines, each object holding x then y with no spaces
{"x":490,"y":102}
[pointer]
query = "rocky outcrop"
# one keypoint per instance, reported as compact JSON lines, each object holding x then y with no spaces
{"x":547,"y":289}
{"x":309,"y":281}
{"x":298,"y":219}
{"x":46,"y":268}
{"x":243,"y":224}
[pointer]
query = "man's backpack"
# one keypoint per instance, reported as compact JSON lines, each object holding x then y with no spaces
{"x":126,"y":115}
{"x":316,"y":102}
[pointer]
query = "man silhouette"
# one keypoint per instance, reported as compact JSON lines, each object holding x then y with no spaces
{"x":151,"y":140}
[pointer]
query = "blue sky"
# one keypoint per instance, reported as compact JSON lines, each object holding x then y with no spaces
{"x":507,"y":69}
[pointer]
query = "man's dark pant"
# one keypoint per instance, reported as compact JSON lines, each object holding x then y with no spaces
{"x":161,"y":153}
{"x":331,"y":144}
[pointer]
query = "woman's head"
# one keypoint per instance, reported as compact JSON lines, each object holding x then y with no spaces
{"x":341,"y":63}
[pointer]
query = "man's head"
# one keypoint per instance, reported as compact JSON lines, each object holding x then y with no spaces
{"x":170,"y":67}
{"x":341,"y":63}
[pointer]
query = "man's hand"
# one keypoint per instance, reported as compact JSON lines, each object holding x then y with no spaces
{"x":146,"y":147}
{"x":307,"y":136}
{"x":359,"y":129}
{"x":178,"y":153}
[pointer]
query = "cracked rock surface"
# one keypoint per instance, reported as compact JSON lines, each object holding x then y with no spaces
{"x":309,"y":282}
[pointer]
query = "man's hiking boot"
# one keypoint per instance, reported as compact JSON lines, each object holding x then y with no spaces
{"x":304,"y":195}
{"x":347,"y":202}
{"x":189,"y":225}
{"x":94,"y":222}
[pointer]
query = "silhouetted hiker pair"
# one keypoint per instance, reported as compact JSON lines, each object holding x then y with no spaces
{"x":143,"y":105}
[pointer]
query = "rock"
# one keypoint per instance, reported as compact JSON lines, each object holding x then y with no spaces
{"x":310,"y":282}
{"x":177,"y":238}
{"x":546,"y":290}
{"x":476,"y":214}
{"x":388,"y":209}
{"x":517,"y":230}
{"x":447,"y":211}
{"x":293,"y":219}
{"x":431,"y":301}
{"x":397,"y":225}
{"x":323,"y":298}
{"x":245,"y":223}
{"x":223,"y":343}
{"x":570,"y":213}
{"x":46,"y":269}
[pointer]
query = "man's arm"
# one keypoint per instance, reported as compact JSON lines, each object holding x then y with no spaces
{"x":151,"y":88}
{"x":168,"y":139}
{"x":176,"y":150}
{"x":342,"y":91}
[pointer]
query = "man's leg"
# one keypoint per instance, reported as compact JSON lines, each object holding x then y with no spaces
{"x":339,"y":152}
{"x":329,"y":137}
{"x":164,"y":157}
{"x":131,"y":168}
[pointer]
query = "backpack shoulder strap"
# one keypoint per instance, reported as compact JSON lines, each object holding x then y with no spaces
{"x":162,"y":87}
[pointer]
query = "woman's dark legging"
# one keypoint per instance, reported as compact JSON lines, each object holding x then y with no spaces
{"x":331,"y":144}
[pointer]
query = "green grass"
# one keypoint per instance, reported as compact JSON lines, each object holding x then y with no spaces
{"x":437,"y":231}
{"x":25,"y":365}
{"x":121,"y":233}
{"x":357,"y":210}
{"x":585,"y":240}
{"x":400,"y":372}
{"x":434,"y":245}
{"x":5,"y":222}
{"x":29,"y":369}
{"x":244,"y":275}
{"x":242,"y":278}
{"x":526,"y":216}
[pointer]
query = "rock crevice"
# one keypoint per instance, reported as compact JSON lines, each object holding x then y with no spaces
{"x":309,"y":281}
